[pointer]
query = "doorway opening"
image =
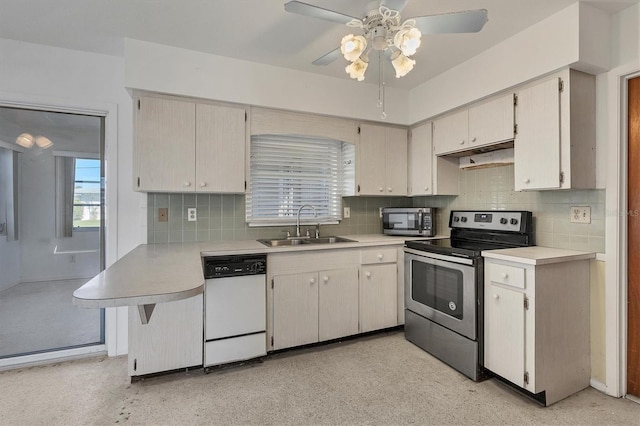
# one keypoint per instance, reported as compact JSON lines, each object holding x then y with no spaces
{"x":52,"y":227}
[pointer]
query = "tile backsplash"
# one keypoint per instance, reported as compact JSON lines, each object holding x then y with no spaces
{"x":492,"y":189}
{"x":222,"y":217}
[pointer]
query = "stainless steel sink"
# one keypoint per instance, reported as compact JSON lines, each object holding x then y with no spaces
{"x":299,"y":241}
{"x":329,"y":240}
{"x":283,"y":242}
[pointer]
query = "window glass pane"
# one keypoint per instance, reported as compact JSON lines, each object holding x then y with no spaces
{"x":288,"y":172}
{"x":86,"y":194}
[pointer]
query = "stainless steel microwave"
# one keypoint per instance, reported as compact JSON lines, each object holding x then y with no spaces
{"x":409,"y":221}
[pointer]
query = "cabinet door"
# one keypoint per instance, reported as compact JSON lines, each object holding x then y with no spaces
{"x":295,"y":310}
{"x":491,"y":122}
{"x":338,"y":303}
{"x":420,"y":160}
{"x":172,"y":339}
{"x":371,"y":162}
{"x":378,"y":296}
{"x":165,"y":145}
{"x":537,"y":144}
{"x":396,"y":161}
{"x":220,"y":149}
{"x":504,"y":333}
{"x":450,"y":133}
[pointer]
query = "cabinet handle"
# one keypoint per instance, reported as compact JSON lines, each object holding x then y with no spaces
{"x":187,"y":183}
{"x":203,"y":184}
{"x":325,"y":279}
{"x":381,"y":189}
{"x":390,"y":189}
{"x":504,"y":275}
{"x":526,"y":180}
{"x":495,"y":296}
{"x":380,"y":256}
{"x":312,"y":280}
{"x":368,"y":274}
{"x":426,"y":188}
{"x":462,"y":142}
{"x":473,"y":139}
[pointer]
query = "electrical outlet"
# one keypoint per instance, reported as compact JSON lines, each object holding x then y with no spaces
{"x":347,"y":213}
{"x":580,"y":214}
{"x":163,"y":214}
{"x":192,"y":214}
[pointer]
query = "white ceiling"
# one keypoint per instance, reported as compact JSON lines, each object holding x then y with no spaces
{"x":260,"y":30}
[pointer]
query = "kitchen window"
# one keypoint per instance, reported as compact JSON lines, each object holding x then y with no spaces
{"x":287,"y":172}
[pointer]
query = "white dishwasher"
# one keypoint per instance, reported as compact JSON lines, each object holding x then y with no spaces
{"x":235,"y":308}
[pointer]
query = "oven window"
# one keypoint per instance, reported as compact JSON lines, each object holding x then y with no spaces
{"x":438,"y":287}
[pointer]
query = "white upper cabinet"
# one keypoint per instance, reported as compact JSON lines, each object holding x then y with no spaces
{"x":382,"y":160}
{"x":183,"y":146}
{"x":487,"y":123}
{"x":220,"y":148}
{"x":419,"y":160}
{"x":164,"y":149}
{"x":427,"y":173}
{"x":555,"y":142}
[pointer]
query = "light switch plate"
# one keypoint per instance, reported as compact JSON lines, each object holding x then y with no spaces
{"x":580,"y":214}
{"x":192,"y":214}
{"x":347,"y":213}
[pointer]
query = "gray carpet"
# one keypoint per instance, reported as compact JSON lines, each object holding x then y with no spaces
{"x":380,"y":379}
{"x":41,"y":316}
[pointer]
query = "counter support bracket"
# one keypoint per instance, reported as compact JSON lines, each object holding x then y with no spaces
{"x":145,"y":312}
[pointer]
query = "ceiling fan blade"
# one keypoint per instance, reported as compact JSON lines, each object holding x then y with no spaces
{"x":394,"y":4}
{"x":469,"y":21}
{"x":317,"y":12}
{"x":328,"y":58}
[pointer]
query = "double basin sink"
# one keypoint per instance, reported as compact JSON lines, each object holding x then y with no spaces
{"x":300,"y":241}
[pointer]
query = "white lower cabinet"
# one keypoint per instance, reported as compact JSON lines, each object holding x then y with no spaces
{"x":322,"y":295}
{"x":171,"y":340}
{"x":314,"y":306}
{"x":536,"y":326}
{"x":378,"y":289}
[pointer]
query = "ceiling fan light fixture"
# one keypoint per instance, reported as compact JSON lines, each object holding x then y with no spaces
{"x":402,"y":64}
{"x":408,"y":40}
{"x":352,"y":46}
{"x":357,"y":68}
{"x":43,"y":142}
{"x":25,"y":140}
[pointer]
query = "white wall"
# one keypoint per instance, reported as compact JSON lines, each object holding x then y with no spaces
{"x":43,"y":75}
{"x":184,"y":72}
{"x":564,"y":39}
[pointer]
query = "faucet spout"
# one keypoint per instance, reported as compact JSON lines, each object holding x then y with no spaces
{"x":315,"y":213}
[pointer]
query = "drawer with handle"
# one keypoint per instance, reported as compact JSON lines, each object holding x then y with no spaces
{"x":507,"y":275}
{"x":379,"y":255}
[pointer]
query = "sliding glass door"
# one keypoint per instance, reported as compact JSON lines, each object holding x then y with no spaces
{"x":51,"y":229}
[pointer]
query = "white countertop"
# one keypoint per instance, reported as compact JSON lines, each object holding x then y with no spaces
{"x":157,"y":273}
{"x":537,"y":255}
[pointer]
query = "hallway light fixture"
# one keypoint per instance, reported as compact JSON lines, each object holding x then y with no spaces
{"x":27,"y":140}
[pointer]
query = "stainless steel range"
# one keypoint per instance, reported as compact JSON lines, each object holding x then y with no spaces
{"x":444,"y":284}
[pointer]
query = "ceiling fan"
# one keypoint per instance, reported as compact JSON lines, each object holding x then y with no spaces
{"x":384,"y":31}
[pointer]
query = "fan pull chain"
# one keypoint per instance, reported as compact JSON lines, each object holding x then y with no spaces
{"x":381,"y":86}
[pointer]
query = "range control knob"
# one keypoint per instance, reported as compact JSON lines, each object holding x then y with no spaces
{"x":503,"y":220}
{"x":456,"y":219}
{"x":463,"y":219}
{"x":514,"y":221}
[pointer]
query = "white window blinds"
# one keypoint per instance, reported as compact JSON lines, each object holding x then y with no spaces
{"x":288,"y":172}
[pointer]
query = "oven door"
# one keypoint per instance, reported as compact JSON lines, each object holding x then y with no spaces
{"x":442,"y":289}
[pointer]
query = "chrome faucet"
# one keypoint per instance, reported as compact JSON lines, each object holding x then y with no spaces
{"x":315,"y":213}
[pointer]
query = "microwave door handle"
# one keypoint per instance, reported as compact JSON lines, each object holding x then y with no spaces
{"x":420,"y":227}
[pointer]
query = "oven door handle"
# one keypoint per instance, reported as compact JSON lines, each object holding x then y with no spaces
{"x":430,"y":255}
{"x":420,"y":219}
